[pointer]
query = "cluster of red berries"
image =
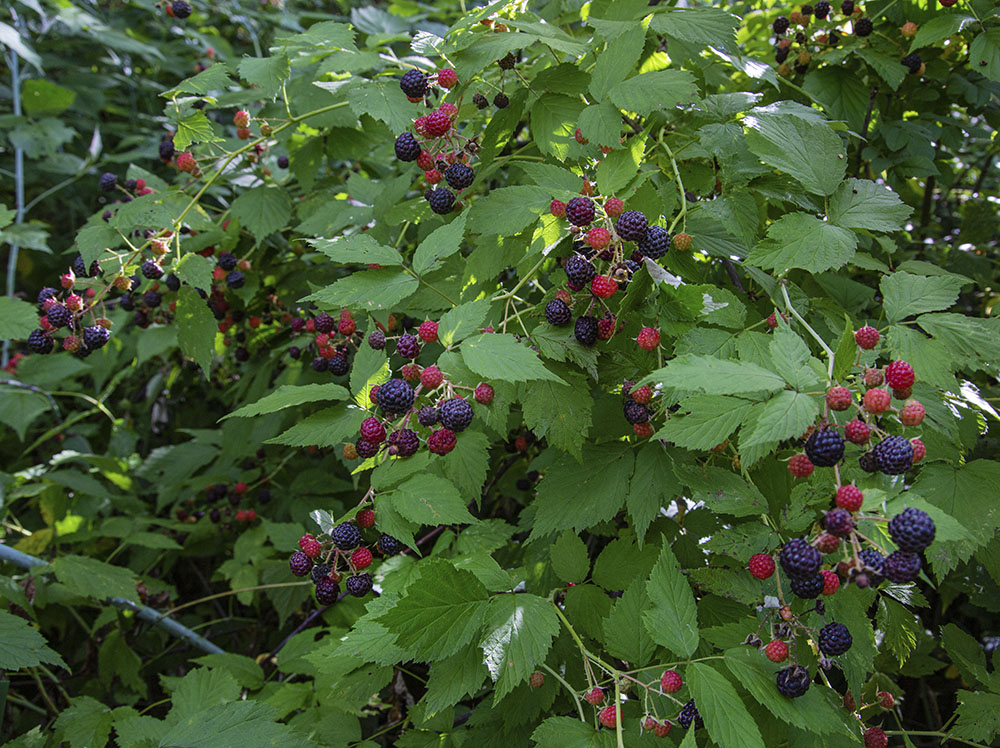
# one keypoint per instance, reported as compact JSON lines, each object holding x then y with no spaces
{"x":221,"y":502}
{"x":327,"y":559}
{"x":332,"y":340}
{"x":669,"y":683}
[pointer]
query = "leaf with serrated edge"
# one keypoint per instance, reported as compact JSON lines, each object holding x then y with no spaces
{"x":672,"y":618}
{"x":288,"y":396}
{"x":517,"y":635}
{"x":726,"y":718}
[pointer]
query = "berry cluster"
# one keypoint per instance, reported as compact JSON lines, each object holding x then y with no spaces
{"x":669,"y":683}
{"x":222,"y":503}
{"x":327,"y":559}
{"x":332,"y":340}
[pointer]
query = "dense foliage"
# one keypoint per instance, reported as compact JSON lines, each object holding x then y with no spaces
{"x":562,"y":374}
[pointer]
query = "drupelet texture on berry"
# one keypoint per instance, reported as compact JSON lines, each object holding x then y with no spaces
{"x":557,"y":313}
{"x":59,"y":316}
{"x":655,"y":243}
{"x":632,"y":226}
{"x":761,"y":565}
{"x":839,"y":398}
{"x":459,"y":176}
{"x":857,"y":432}
{"x":427,"y":416}
{"x":793,"y":681}
{"x":95,"y":337}
{"x":867,"y":337}
{"x":39,"y":341}
{"x":893,"y":455}
{"x":181,"y":9}
{"x":346,"y":536}
{"x":359,"y":585}
{"x":913,"y":62}
{"x":838,"y":522}
{"x":403,"y":443}
{"x":408,"y":346}
{"x":580,"y":211}
{"x":579,"y":270}
{"x":799,"y":559}
{"x":320,"y":572}
{"x":327,"y":591}
{"x":901,"y":567}
{"x":395,"y":396}
{"x":875,"y":737}
{"x":776,"y":651}
{"x":235,"y":279}
{"x":300,"y":564}
{"x":407,"y":148}
{"x":671,"y":681}
{"x":849,"y":497}
{"x":912,"y":530}
{"x":867,"y":462}
{"x":455,"y":414}
{"x":689,"y":714}
{"x":863,"y":27}
{"x":376,"y":340}
{"x":808,"y":587}
{"x":800,"y":466}
{"x":585,"y":330}
{"x":441,"y":441}
{"x":339,"y":364}
{"x":899,"y":375}
{"x":636,"y":412}
{"x":414,"y":84}
{"x":388,"y":545}
{"x":834,"y":639}
{"x":780,"y":25}
{"x":107,"y":182}
{"x":825,"y":447}
{"x":822,"y":9}
{"x":373,"y":430}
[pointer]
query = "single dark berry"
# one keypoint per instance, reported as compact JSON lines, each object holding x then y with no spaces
{"x":557,"y":313}
{"x":320,"y":364}
{"x":414,"y":84}
{"x":507,"y":62}
{"x":585,"y":330}
{"x":834,"y":639}
{"x":822,"y":9}
{"x":327,"y":591}
{"x":235,"y":279}
{"x":912,"y":530}
{"x":872,"y":559}
{"x":59,"y":316}
{"x":480,"y":101}
{"x":107,"y":182}
{"x":408,"y":346}
{"x":365,"y":448}
{"x":901,"y":567}
{"x":825,"y":447}
{"x":48,"y":293}
{"x":151,"y":270}
{"x":173,"y":282}
{"x":428,"y":415}
{"x":320,"y":571}
{"x":913,"y":62}
{"x":780,"y":25}
{"x":459,"y":176}
{"x":863,"y":27}
{"x":655,"y":243}
{"x":346,"y":536}
{"x":500,"y":101}
{"x":442,"y":441}
{"x":339,"y":364}
{"x":867,"y":462}
{"x":799,"y":559}
{"x":152,"y":299}
{"x":780,"y":54}
{"x":388,"y":545}
{"x":300,"y":564}
{"x":579,"y":270}
{"x":455,"y":414}
{"x":636,"y":412}
{"x":847,"y":7}
{"x":166,"y":149}
{"x":376,"y":339}
{"x":95,"y":337}
{"x":395,"y":396}
{"x":632,"y":226}
{"x":403,"y":442}
{"x":227,"y":261}
{"x":40,"y":342}
{"x":441,"y":200}
{"x":793,"y":681}
{"x":838,"y":522}
{"x":809,"y":587}
{"x":181,"y":8}
{"x":407,"y":147}
{"x":359,"y":585}
{"x":893,"y":455}
{"x":580,"y":211}
{"x":282,"y":162}
{"x":689,"y":713}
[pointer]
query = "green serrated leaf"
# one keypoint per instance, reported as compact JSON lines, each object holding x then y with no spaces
{"x":501,"y":357}
{"x":906,"y":294}
{"x":663,"y":89}
{"x":369,"y":289}
{"x":461,"y":321}
{"x":262,"y":210}
{"x":430,"y":500}
{"x":863,"y":204}
{"x":518,"y":632}
{"x":195,"y":270}
{"x":265,"y":74}
{"x":807,"y":150}
{"x":17,"y":318}
{"x":704,"y":421}
{"x":801,"y":240}
{"x":672,"y":616}
{"x":726,"y":718}
{"x":22,"y":646}
{"x":569,"y":556}
{"x":92,"y":578}
{"x":196,"y":328}
{"x":439,"y":245}
{"x":357,"y":248}
{"x":786,"y":415}
{"x":714,"y":376}
{"x":288,"y":396}
{"x":329,"y":427}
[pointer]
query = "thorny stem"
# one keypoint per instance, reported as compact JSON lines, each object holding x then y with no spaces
{"x":816,"y":336}
{"x":568,"y":687}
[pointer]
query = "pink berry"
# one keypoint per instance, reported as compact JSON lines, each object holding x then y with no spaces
{"x":648,"y":338}
{"x":831,"y":582}
{"x":431,"y":377}
{"x":912,"y":413}
{"x":919,"y":450}
{"x":671,"y":681}
{"x":598,"y":237}
{"x":483,"y":393}
{"x":428,"y":331}
{"x":609,"y":715}
{"x":594,"y":696}
{"x":899,"y":375}
{"x":839,"y":398}
{"x":447,"y":78}
{"x":761,"y":565}
{"x":614,"y":207}
{"x":603,"y":287}
{"x":876,"y":401}
{"x":776,"y":651}
{"x":557,"y":208}
{"x":867,"y":337}
{"x":800,"y":466}
{"x":365,"y":518}
{"x":857,"y":432}
{"x":361,"y":558}
{"x":849,"y":497}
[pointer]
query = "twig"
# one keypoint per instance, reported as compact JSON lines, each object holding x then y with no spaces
{"x":864,"y":131}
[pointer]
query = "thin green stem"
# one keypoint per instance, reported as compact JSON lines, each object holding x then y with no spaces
{"x":227,"y":593}
{"x":682,"y":216}
{"x":816,"y":336}
{"x":15,"y":699}
{"x":935,"y":734}
{"x":568,"y":687}
{"x":515,"y":289}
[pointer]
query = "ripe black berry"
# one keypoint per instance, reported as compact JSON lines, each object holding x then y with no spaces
{"x":376,"y":339}
{"x":500,"y":101}
{"x":319,"y":364}
{"x":847,"y":7}
{"x":151,"y":270}
{"x":388,"y":545}
{"x":459,"y":176}
{"x":822,"y":9}
{"x":632,"y":226}
{"x":403,"y":442}
{"x":95,"y":337}
{"x":39,"y":341}
{"x":834,"y":639}
{"x":59,"y":316}
{"x":428,"y":415}
{"x":867,"y":462}
{"x":579,"y":270}
{"x":901,"y":567}
{"x":365,"y":448}
{"x":655,"y":243}
{"x":227,"y":261}
{"x":557,"y":313}
{"x":872,"y":559}
{"x":319,"y":571}
{"x":166,"y":149}
{"x":455,"y":414}
{"x":799,"y":559}
{"x":780,"y":54}
{"x":689,"y":713}
{"x":282,"y":162}
{"x":793,"y":681}
{"x":173,"y":282}
{"x":359,"y":585}
{"x":580,"y":211}
{"x":893,"y":455}
{"x":912,"y":530}
{"x":838,"y":522}
{"x":47,"y":293}
{"x":414,"y":84}
{"x":152,"y":299}
{"x":863,"y":27}
{"x":327,"y":591}
{"x":507,"y":62}
{"x":181,"y":8}
{"x":408,"y":347}
{"x":441,"y":200}
{"x":586,"y":330}
{"x":235,"y":279}
{"x":300,"y":564}
{"x":480,"y":101}
{"x":395,"y":396}
{"x":407,"y":147}
{"x":913,"y":62}
{"x":636,"y":412}
{"x":825,"y":447}
{"x":809,"y":587}
{"x":324,"y":323}
{"x":82,"y":271}
{"x":339,"y":364}
{"x":780,"y":25}
{"x":346,"y":536}
{"x":107,"y":182}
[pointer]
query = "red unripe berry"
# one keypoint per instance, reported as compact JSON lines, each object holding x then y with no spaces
{"x":642,"y":395}
{"x":420,"y":125}
{"x":361,"y":558}
{"x":579,"y":137}
{"x":831,"y":582}
{"x":649,"y":723}
{"x":919,"y":450}
{"x":875,"y":738}
{"x":66,"y":280}
{"x":425,"y":161}
{"x":645,"y":430}
{"x":603,"y":287}
{"x":305,"y":539}
{"x":594,"y":696}
{"x":912,"y":413}
{"x":365,"y":518}
{"x":241,"y":118}
{"x":614,"y":207}
{"x":776,"y":651}
{"x":609,"y":715}
{"x":682,"y":242}
{"x":185,"y":162}
{"x":410,"y":372}
{"x":347,"y":326}
{"x":438,"y":123}
{"x":310,"y":546}
{"x":827,"y":543}
{"x":761,"y":565}
{"x":240,"y":488}
{"x":433,"y":176}
{"x":867,"y":337}
{"x":428,"y":331}
{"x":874,"y":377}
{"x":857,"y":432}
{"x":661,"y":730}
{"x":606,"y":328}
{"x":451,"y":111}
{"x":536,"y":679}
{"x":839,"y":398}
{"x":372,"y":430}
{"x":373,"y":393}
{"x":557,"y":208}
{"x":772,"y":320}
{"x":800,"y":466}
{"x":322,"y":340}
{"x":483,"y":393}
{"x":849,"y":497}
{"x":447,"y":78}
{"x":251,"y":515}
{"x":648,"y":338}
{"x":902,"y":394}
{"x":671,"y":681}
{"x":899,"y":375}
{"x":876,"y":401}
{"x":521,"y":444}
{"x":598,"y":237}
{"x":431,"y":377}
{"x":254,"y":322}
{"x":241,"y":515}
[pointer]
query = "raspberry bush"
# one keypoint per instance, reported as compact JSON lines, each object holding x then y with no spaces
{"x":514,"y":375}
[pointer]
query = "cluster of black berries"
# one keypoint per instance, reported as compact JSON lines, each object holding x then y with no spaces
{"x":326,"y":560}
{"x":332,"y":342}
{"x":223,"y":503}
{"x":804,"y":45}
{"x":801,"y":562}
